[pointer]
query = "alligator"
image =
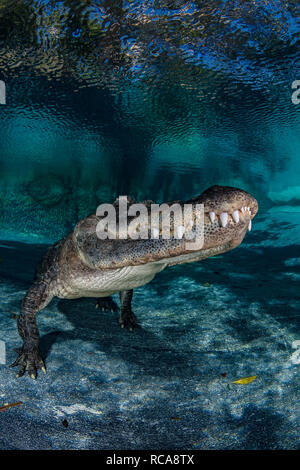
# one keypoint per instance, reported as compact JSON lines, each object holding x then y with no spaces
{"x":83,"y":265}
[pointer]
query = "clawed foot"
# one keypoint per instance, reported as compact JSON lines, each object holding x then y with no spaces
{"x":129,"y":321}
{"x":29,"y":361}
{"x":107,"y":303}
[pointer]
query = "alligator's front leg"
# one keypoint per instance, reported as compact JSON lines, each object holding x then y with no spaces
{"x":127,"y":317}
{"x":29,"y":358}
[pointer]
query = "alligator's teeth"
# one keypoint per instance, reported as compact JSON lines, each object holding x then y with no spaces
{"x":224,"y":219}
{"x":250,"y":225}
{"x":212,"y":216}
{"x":235,"y":216}
{"x":180,"y":231}
{"x":155,"y":233}
{"x":243,"y":209}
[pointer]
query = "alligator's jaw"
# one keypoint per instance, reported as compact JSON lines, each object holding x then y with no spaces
{"x":193,"y":256}
{"x":227,"y":214}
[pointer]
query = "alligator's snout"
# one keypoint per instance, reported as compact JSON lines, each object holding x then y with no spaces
{"x":228,"y":213}
{"x":226,"y":199}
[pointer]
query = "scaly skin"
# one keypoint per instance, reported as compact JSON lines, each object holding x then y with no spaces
{"x":82,"y":265}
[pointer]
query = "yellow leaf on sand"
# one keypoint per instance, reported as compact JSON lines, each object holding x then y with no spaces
{"x":245,"y":380}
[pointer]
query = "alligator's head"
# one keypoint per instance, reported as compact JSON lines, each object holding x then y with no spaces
{"x":228,"y":214}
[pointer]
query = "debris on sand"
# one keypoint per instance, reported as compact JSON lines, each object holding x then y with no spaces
{"x":245,"y":380}
{"x":10,"y":405}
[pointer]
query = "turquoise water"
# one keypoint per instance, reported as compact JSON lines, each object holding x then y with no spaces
{"x":158,"y":100}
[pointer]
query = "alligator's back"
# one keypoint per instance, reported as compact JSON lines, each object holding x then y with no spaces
{"x":50,"y":261}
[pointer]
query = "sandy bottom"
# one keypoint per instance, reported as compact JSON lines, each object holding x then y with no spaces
{"x":167,"y":384}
